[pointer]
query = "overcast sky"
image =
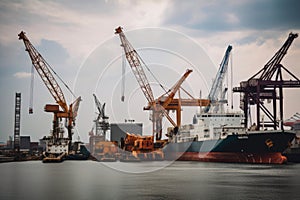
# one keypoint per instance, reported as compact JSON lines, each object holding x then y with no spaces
{"x":77,"y":39}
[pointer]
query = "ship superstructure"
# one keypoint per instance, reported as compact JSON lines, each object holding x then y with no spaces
{"x":210,"y":126}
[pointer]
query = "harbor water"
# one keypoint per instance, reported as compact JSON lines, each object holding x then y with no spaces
{"x":148,"y":180}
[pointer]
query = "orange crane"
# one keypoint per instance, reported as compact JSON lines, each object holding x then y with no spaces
{"x":163,"y":104}
{"x":67,"y":112}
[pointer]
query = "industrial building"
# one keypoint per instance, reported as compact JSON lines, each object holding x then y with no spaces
{"x":119,"y":130}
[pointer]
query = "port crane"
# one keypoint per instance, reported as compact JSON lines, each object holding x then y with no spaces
{"x":217,"y":94}
{"x":67,"y":112}
{"x":101,"y":123}
{"x":162,"y":105}
{"x":268,"y":84}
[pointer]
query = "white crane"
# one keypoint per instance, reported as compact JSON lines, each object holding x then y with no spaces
{"x":101,"y":123}
{"x":217,"y":94}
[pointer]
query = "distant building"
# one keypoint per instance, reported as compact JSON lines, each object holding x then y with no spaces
{"x":119,"y":130}
{"x":25,"y":143}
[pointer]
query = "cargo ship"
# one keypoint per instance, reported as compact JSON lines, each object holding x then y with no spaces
{"x":221,"y":137}
{"x":217,"y":135}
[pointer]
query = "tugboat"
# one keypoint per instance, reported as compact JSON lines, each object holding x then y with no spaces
{"x":56,"y":149}
{"x":78,"y":151}
{"x":62,"y":149}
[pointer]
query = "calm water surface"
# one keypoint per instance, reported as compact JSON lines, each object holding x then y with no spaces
{"x":153,"y":180}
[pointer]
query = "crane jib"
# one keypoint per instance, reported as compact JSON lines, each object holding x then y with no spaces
{"x":43,"y":69}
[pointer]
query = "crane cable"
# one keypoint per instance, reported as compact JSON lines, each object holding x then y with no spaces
{"x":60,"y":79}
{"x":153,"y":74}
{"x":123,"y":78}
{"x":32,"y":85}
{"x":31,"y":91}
{"x":231,"y":78}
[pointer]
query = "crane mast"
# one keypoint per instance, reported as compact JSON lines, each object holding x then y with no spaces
{"x":43,"y":69}
{"x":216,"y":94}
{"x":17,"y":123}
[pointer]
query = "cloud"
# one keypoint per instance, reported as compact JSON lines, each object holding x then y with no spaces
{"x":22,"y":75}
{"x":53,"y":52}
{"x":216,"y":16}
{"x":77,"y":26}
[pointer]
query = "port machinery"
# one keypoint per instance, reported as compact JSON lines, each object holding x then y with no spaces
{"x":17,"y":124}
{"x":268,"y":84}
{"x":57,"y":146}
{"x":162,"y":105}
{"x":217,"y":93}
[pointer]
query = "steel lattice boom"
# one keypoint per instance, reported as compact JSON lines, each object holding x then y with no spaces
{"x":268,"y":84}
{"x":43,"y":69}
{"x":136,"y":65}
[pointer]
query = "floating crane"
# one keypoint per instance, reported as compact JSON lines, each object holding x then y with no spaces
{"x":217,"y":94}
{"x":164,"y":103}
{"x":68,"y":112}
{"x":268,"y":84}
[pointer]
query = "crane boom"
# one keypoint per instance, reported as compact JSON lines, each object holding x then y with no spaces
{"x":267,"y":72}
{"x":216,"y":88}
{"x":176,"y":87}
{"x":101,"y":123}
{"x":135,"y":63}
{"x":42,"y":67}
{"x":100,"y":107}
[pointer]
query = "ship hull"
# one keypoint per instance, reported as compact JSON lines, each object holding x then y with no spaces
{"x":232,"y":157}
{"x":257,"y":147}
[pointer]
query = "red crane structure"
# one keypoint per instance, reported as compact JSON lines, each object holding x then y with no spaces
{"x":164,"y":103}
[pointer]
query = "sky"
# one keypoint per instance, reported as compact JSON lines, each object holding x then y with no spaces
{"x":77,"y":39}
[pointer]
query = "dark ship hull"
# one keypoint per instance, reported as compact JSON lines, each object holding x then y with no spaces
{"x":78,"y":152}
{"x":254,"y":147}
